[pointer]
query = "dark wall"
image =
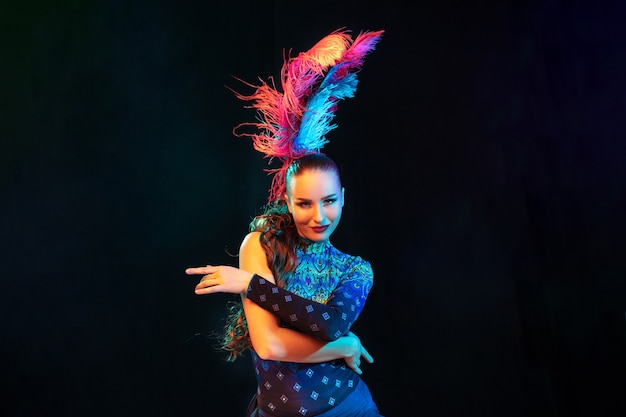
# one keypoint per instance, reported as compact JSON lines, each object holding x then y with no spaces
{"x":483,"y":159}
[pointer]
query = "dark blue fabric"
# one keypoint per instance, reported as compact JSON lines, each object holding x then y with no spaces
{"x":358,"y":404}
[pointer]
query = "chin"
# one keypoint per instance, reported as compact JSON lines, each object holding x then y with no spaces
{"x":315,"y":237}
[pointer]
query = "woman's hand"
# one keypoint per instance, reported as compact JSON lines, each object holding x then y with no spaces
{"x":221,"y":278}
{"x":355,"y":352}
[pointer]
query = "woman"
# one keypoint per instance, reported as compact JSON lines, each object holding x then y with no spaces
{"x":299,"y":294}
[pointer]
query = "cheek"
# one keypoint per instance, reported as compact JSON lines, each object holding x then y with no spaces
{"x":299,"y":216}
{"x":335,"y":212}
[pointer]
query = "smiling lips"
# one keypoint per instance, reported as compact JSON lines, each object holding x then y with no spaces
{"x":319,"y":229}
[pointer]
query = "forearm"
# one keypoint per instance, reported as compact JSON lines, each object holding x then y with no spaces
{"x":289,"y":345}
{"x":323,"y":321}
{"x":337,"y":349}
{"x":273,"y":342}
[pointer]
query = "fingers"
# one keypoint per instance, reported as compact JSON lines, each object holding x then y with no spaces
{"x":209,"y":280}
{"x":206,"y":281}
{"x":366,"y":355}
{"x":201,"y":270}
{"x":208,"y":284}
{"x":205,"y":290}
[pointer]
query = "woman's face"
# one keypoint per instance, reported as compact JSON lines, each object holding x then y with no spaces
{"x":315,"y":199}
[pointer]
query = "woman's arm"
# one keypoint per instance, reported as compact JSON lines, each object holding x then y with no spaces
{"x":269,"y":339}
{"x":325,"y":321}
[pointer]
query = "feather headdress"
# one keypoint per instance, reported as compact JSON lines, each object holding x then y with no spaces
{"x":294,"y":122}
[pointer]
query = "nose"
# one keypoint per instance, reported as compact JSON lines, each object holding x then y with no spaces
{"x":318,"y":216}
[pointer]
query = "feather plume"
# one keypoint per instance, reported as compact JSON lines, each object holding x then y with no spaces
{"x":295,"y":122}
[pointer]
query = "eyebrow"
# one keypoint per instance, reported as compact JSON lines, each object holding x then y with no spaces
{"x":323,"y":198}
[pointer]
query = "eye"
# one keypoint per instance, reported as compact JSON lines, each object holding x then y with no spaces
{"x":303,"y":204}
{"x":329,"y":201}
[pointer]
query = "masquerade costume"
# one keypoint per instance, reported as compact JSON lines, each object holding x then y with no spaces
{"x":328,"y":289}
{"x":323,"y":298}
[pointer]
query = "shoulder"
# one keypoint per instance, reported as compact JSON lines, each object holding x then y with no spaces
{"x":252,"y":256}
{"x":355,"y":264}
{"x":362,"y":266}
{"x":250,"y":241}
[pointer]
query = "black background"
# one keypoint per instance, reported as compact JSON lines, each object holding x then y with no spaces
{"x":484,"y":164}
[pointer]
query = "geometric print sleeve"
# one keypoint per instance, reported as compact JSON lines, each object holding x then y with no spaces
{"x":325,"y":321}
